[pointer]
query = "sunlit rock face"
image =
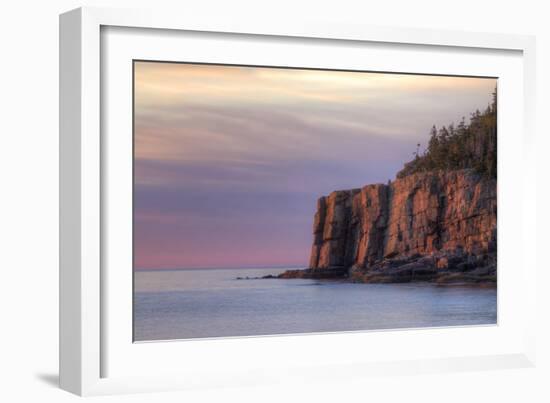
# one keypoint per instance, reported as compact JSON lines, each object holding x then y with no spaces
{"x":424,"y":226}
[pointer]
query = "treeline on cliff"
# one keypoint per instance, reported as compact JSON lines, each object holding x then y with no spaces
{"x":472,"y":145}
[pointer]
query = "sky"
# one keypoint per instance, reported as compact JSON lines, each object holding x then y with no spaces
{"x":229,"y":161}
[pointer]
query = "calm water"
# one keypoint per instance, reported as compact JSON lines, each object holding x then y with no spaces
{"x":180,"y":304}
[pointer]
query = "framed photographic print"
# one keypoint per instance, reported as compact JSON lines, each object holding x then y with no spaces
{"x":235,"y":198}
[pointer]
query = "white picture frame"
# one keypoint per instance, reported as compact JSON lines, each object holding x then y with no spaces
{"x":96,"y":356}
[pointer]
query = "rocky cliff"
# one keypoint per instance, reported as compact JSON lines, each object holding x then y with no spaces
{"x":436,"y":226}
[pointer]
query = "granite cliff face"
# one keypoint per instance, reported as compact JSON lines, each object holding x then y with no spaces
{"x":435,"y":226}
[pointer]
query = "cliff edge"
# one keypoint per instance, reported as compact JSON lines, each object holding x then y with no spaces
{"x":429,"y":226}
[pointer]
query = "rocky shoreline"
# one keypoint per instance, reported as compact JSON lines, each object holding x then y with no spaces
{"x":440,"y":269}
{"x":437,"y":227}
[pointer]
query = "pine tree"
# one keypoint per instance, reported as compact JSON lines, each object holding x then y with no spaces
{"x":468,"y":146}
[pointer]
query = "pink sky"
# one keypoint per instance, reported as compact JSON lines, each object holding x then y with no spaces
{"x":229,"y":161}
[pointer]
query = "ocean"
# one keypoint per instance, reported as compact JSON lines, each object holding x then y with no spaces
{"x":200,"y":303}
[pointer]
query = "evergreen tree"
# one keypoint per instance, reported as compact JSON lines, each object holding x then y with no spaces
{"x":468,"y":146}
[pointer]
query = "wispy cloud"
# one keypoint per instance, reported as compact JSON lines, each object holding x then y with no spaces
{"x":217,"y":145}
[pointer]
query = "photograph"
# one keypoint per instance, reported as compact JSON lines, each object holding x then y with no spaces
{"x":272,"y":200}
{"x":244,"y":202}
{"x":255,"y":202}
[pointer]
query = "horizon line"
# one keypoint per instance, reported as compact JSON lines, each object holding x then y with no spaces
{"x":283,"y":266}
